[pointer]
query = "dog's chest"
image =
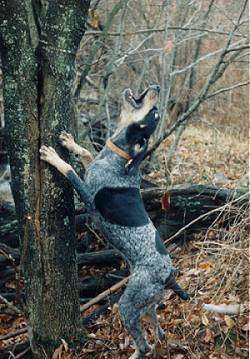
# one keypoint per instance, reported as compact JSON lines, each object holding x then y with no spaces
{"x":101,"y":174}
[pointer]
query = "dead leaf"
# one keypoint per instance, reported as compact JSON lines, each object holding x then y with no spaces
{"x":58,"y":352}
{"x":229,"y":321}
{"x":65,"y":345}
{"x":245,"y":327}
{"x":169,"y":45}
{"x":209,"y":336}
{"x":192,"y":271}
{"x":204,"y":320}
{"x":94,"y":19}
{"x":207,"y":266}
{"x":165,"y":201}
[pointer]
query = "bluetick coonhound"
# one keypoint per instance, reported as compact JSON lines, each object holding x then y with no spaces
{"x":111,"y":191}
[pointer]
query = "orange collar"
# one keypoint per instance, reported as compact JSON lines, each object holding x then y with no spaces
{"x":118,"y":150}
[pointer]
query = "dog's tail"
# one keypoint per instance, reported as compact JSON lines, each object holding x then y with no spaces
{"x":172,"y":284}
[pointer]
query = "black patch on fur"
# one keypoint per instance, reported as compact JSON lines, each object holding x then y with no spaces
{"x":171,"y":284}
{"x":159,"y":245}
{"x":122,"y":206}
{"x":137,"y":134}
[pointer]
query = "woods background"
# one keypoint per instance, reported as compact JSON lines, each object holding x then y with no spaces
{"x":198,"y":52}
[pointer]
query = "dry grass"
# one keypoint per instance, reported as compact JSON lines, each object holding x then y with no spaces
{"x":203,"y":152}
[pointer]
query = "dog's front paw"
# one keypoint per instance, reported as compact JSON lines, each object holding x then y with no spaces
{"x":48,"y":154}
{"x":67,"y":140}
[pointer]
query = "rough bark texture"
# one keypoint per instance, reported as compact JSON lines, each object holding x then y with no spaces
{"x":38,"y":46}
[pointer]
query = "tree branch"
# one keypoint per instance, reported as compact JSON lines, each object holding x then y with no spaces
{"x":225,"y":89}
{"x":146,"y":31}
{"x":219,"y":209}
{"x":104,"y":294}
{"x":217,"y":71}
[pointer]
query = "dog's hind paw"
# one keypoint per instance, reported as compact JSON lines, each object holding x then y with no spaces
{"x":161,"y":334}
{"x":138,"y":354}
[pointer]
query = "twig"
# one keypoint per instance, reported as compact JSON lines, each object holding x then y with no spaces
{"x":224,"y":89}
{"x":14,"y":334}
{"x":20,"y":355}
{"x":104,"y":294}
{"x":169,"y":240}
{"x":205,"y":57}
{"x":217,"y":71}
{"x":10,"y":305}
{"x":146,"y":31}
{"x":221,"y":245}
{"x":98,"y":45}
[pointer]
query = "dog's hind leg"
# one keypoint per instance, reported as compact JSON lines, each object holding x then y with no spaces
{"x":139,"y":294}
{"x":159,"y":334}
{"x":132,"y":321}
{"x":153,"y":320}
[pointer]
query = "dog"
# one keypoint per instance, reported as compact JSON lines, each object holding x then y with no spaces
{"x":111,"y":192}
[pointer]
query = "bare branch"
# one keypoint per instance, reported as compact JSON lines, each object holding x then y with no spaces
{"x":219,"y":209}
{"x":207,"y":56}
{"x":104,"y":294}
{"x":146,"y":31}
{"x":225,"y":89}
{"x":14,"y":334}
{"x":217,"y":71}
{"x":10,"y":305}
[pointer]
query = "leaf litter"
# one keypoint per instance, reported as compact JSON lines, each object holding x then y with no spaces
{"x":213,"y":268}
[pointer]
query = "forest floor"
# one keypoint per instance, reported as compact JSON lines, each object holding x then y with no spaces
{"x":213,"y":267}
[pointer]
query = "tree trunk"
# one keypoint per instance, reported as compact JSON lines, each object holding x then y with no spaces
{"x":38,"y":46}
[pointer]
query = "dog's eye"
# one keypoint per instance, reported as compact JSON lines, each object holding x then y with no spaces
{"x":156,"y":115}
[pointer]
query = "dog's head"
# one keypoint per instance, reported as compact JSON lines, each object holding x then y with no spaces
{"x":139,"y":119}
{"x":135,"y":108}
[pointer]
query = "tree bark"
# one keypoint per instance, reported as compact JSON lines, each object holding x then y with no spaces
{"x":38,"y":45}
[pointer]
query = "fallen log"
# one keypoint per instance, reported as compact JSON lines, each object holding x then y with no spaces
{"x":13,"y":334}
{"x":11,"y":296}
{"x":8,"y":255}
{"x":182,"y":205}
{"x":6,"y":275}
{"x":9,"y":232}
{"x":109,"y":257}
{"x":92,"y":286}
{"x":173,"y":209}
{"x":14,"y":350}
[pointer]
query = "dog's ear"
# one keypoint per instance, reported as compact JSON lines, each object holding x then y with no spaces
{"x":134,"y":163}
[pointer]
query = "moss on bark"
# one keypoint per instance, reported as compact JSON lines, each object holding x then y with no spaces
{"x":38,"y":77}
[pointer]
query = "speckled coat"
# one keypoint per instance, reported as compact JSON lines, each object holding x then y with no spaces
{"x":150,"y":267}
